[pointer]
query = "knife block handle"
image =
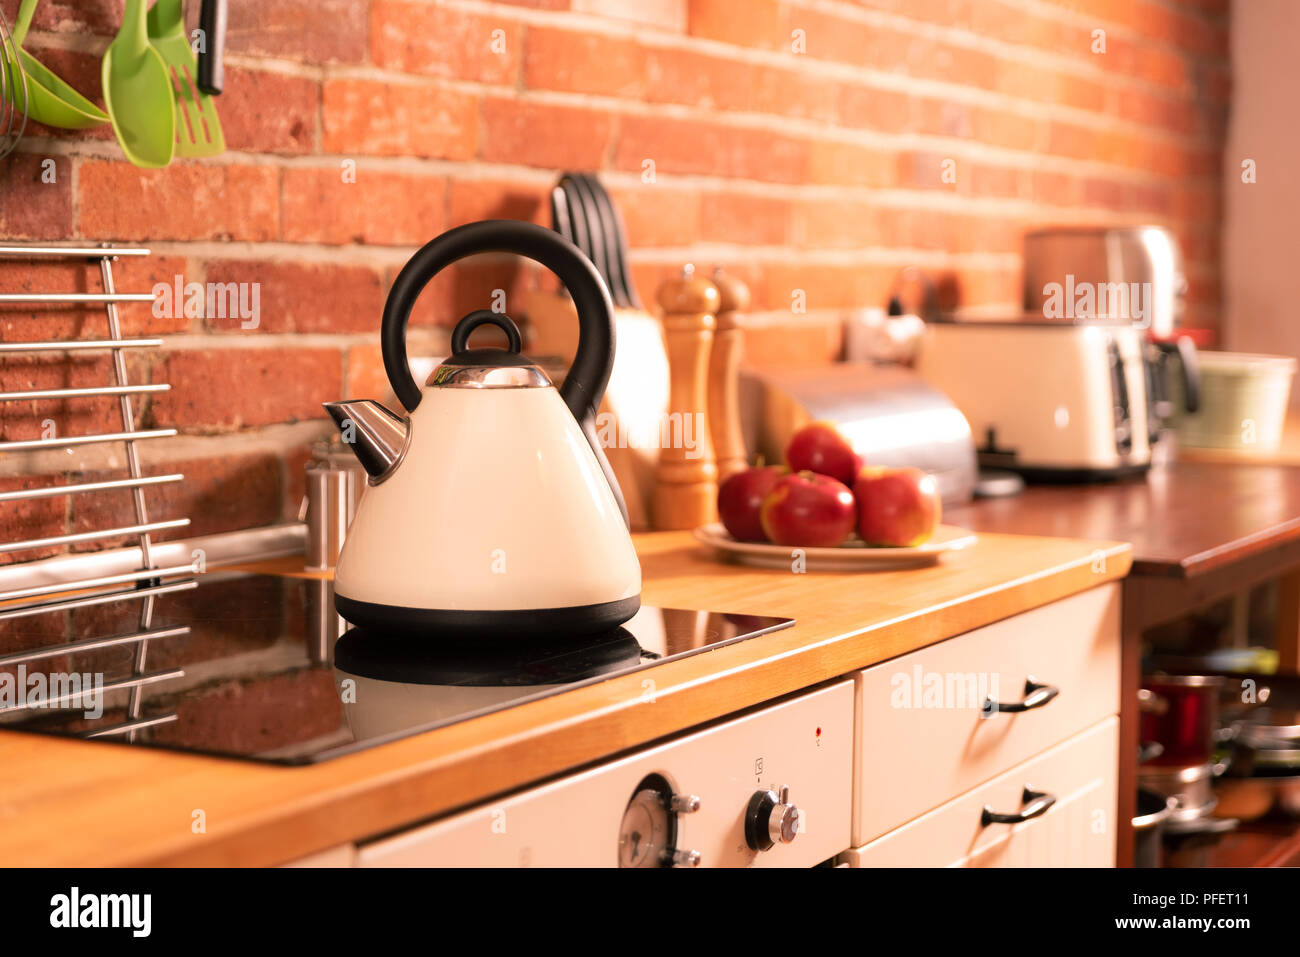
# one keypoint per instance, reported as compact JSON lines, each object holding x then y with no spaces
{"x":686,"y":487}
{"x":724,"y":375}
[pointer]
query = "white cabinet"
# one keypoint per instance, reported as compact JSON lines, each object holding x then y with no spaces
{"x":923,"y":736}
{"x":1074,"y":781}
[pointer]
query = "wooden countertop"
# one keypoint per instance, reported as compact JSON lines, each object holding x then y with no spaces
{"x":1183,"y":519}
{"x":65,"y":802}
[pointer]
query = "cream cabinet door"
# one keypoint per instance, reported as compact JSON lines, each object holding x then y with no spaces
{"x":1077,"y":830}
{"x":923,"y":737}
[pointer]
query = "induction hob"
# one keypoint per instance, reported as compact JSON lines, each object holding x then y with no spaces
{"x":259,"y":667}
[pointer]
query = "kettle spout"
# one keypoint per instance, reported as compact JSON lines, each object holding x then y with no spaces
{"x":376,"y":436}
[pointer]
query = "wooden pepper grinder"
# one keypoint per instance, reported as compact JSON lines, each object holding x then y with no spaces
{"x":686,"y":488}
{"x":724,"y":375}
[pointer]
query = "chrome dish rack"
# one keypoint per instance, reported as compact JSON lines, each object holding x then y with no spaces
{"x":147,"y":581}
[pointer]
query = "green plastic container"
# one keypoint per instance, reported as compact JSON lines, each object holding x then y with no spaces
{"x":1243,"y":402}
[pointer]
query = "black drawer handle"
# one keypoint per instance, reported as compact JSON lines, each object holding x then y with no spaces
{"x":1032,"y":804}
{"x":1037,"y":694}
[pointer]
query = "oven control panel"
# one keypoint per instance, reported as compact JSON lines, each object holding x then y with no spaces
{"x":772,"y":787}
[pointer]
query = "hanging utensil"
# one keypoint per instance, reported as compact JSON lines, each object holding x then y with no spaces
{"x":560,"y":218}
{"x":198,"y":127}
{"x":582,"y":212}
{"x":637,"y":396}
{"x":138,"y":93}
{"x":212,"y":68}
{"x":50,"y":100}
{"x":603,"y":234}
{"x":586,"y":207}
{"x":579,"y":219}
{"x":13,"y":93}
{"x":616,"y":245}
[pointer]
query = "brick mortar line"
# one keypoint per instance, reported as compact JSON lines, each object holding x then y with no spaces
{"x":274,"y":439}
{"x":669,"y":255}
{"x":592,"y":23}
{"x":645,"y":255}
{"x":1000,"y":157}
{"x":881,"y":81}
{"x":257,"y":339}
{"x":890,"y":197}
{"x":381,"y":258}
{"x":809,"y":130}
{"x":1070,"y":16}
{"x":812,"y":130}
{"x":1004,"y":50}
{"x":472,"y":169}
{"x":859,"y":256}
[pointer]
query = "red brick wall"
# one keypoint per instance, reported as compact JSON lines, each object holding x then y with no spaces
{"x":801,"y":144}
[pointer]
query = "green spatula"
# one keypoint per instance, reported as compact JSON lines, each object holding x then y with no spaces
{"x":198,"y":128}
{"x":138,"y":93}
{"x":50,"y":100}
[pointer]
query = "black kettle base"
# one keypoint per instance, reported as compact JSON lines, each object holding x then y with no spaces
{"x":500,"y":624}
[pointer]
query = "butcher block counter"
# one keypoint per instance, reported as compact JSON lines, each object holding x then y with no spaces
{"x":65,"y":802}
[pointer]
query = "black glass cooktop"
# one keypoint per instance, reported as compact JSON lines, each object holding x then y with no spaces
{"x":260,"y":667}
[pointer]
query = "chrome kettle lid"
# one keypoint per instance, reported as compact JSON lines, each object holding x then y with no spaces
{"x":489,"y":368}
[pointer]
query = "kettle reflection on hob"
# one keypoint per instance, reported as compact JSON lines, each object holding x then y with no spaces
{"x":389,"y":682}
{"x":491,"y":508}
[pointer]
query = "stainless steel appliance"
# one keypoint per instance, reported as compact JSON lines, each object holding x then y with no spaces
{"x":335,"y":481}
{"x":1117,"y":274}
{"x":1134,"y":273}
{"x":890,"y":414}
{"x":1053,"y":401}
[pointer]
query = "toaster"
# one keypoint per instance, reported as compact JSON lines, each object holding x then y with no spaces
{"x":886,"y":411}
{"x":1053,"y":401}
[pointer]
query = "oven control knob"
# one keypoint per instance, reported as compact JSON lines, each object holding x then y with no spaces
{"x":770,"y":819}
{"x":684,"y":803}
{"x":686,"y":859}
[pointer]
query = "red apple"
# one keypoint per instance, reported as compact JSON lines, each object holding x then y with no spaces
{"x":740,"y":498}
{"x":896,"y":506}
{"x":808,"y":509}
{"x":819,"y":447}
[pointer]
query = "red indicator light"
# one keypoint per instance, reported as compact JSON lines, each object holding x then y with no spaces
{"x":819,"y":732}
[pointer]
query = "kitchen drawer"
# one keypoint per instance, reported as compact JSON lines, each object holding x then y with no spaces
{"x":1077,"y":831}
{"x":922,"y":736}
{"x":804,"y":743}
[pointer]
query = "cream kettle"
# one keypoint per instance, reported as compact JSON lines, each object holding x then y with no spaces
{"x":490,"y":509}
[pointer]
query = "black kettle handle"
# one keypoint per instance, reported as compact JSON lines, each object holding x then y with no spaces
{"x":588,"y":375}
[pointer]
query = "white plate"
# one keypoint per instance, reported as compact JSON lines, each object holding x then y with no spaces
{"x":853,"y":555}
